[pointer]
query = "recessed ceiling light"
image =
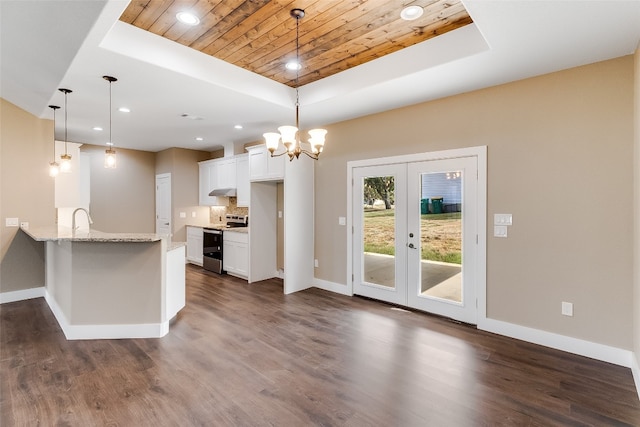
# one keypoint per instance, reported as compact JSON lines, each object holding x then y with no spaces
{"x":97,"y":128}
{"x":412,"y":12}
{"x":190,"y":116}
{"x":199,"y":138}
{"x":187,"y":18}
{"x":124,"y":110}
{"x":237,"y":127}
{"x":293,"y":66}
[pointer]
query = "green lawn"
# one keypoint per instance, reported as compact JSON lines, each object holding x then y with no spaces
{"x":441,"y":235}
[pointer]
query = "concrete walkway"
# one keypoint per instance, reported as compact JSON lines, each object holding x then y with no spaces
{"x":439,"y":279}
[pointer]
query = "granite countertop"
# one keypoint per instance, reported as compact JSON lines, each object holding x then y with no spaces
{"x":53,"y":233}
{"x":175,"y":245}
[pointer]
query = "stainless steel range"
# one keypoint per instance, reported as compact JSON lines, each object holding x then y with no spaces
{"x":212,"y":250}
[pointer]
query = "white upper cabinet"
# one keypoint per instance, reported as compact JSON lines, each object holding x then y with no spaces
{"x":209,"y":176}
{"x":263,"y":167}
{"x":226,"y":172}
{"x":242,"y":179}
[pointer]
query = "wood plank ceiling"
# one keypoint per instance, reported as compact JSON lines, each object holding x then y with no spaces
{"x":260,"y":35}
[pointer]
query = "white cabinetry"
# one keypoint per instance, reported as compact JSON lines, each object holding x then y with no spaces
{"x":242,"y":179}
{"x":226,"y":172}
{"x":263,"y":167}
{"x":235,"y":249}
{"x":194,"y":245}
{"x":209,"y":177}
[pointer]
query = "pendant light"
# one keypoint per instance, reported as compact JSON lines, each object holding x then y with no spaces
{"x":54,"y":167}
{"x":290,"y":135}
{"x":65,"y":159}
{"x":110,"y":153}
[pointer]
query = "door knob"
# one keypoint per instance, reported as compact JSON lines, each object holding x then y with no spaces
{"x":411,"y":246}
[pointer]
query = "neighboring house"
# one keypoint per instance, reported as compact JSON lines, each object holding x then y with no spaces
{"x":445,"y":185}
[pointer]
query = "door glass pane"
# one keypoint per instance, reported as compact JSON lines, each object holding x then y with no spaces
{"x":379,"y":236}
{"x":441,"y":213}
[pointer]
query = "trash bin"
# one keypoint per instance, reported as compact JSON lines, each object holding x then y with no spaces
{"x":424,"y":206}
{"x":436,"y":205}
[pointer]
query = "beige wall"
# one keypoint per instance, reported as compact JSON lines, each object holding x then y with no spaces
{"x":26,"y":192}
{"x":559,"y":159}
{"x":122,"y":199}
{"x":182,"y":164}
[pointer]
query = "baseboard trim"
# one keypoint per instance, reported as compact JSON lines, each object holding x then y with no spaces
{"x":635,"y":370}
{"x":21,"y":295}
{"x":98,"y":332}
{"x":577,"y":346}
{"x":572,"y":345}
{"x":331,"y":286}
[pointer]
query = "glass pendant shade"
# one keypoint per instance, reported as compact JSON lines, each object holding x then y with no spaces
{"x":65,"y":163}
{"x":54,"y":169}
{"x":110,"y":158}
{"x":272,"y":140}
{"x":317,"y":140}
{"x":288,"y":134}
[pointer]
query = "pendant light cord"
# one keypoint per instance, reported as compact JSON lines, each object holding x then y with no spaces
{"x":110,"y":112}
{"x":54,"y":132}
{"x":65,"y":122}
{"x":298,"y":66}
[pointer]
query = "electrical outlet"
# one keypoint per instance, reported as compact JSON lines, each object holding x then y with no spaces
{"x":11,"y":222}
{"x":342,"y":220}
{"x":500,"y":231}
{"x":502,"y":219}
{"x":24,"y":225}
{"x":183,"y":214}
{"x":567,"y":308}
{"x":193,"y":214}
{"x":315,"y":263}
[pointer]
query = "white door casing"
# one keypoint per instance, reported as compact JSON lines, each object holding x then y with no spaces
{"x":163,"y":204}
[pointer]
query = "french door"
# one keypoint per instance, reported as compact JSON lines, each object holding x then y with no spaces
{"x":415,"y":228}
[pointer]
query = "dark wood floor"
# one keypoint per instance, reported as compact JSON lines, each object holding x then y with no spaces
{"x":247,"y":355}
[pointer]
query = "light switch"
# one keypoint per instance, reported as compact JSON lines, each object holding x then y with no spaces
{"x":279,"y":214}
{"x":567,"y":308}
{"x":502,"y":219}
{"x":193,"y":214}
{"x":11,"y":222}
{"x":342,"y":220}
{"x":183,"y":214}
{"x":500,"y":231}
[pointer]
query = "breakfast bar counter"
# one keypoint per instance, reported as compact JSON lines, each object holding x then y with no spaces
{"x":112,"y":285}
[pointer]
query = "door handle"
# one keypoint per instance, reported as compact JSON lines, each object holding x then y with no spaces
{"x":166,"y":223}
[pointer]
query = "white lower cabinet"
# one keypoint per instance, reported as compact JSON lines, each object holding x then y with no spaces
{"x":235,"y":250}
{"x":194,"y":245}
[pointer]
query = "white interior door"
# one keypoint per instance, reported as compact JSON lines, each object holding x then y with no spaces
{"x":442,"y":230}
{"x":163,"y":204}
{"x":379,"y":221}
{"x":419,"y":247}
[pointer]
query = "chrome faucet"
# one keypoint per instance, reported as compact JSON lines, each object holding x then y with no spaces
{"x":73,"y":218}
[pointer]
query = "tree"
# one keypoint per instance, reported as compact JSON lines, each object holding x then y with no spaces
{"x":380,"y":187}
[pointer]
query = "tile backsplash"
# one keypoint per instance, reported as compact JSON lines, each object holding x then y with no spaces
{"x":217,"y":213}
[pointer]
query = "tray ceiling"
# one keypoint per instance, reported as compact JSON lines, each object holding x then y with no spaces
{"x":259,"y":35}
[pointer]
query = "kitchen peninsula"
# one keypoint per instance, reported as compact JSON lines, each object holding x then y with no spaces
{"x":112,"y":285}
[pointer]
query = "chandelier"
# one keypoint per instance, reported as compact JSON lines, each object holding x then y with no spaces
{"x":290,"y":135}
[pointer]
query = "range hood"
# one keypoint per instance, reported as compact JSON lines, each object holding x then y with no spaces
{"x":224,"y":192}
